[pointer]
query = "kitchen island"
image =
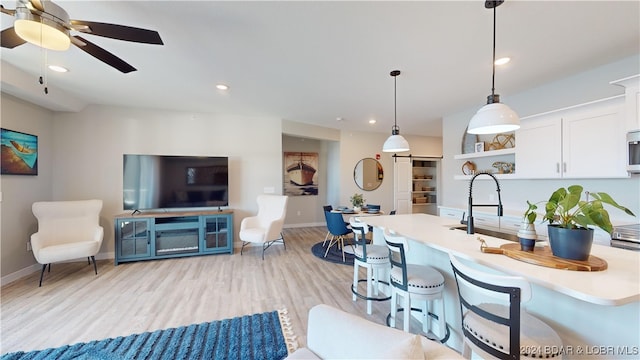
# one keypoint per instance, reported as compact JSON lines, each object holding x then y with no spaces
{"x":597,"y":314}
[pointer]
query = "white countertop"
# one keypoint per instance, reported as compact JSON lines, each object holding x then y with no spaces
{"x":619,"y":284}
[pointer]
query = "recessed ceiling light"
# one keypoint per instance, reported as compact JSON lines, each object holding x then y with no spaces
{"x":372,"y":121}
{"x":339,"y":119}
{"x":59,"y":69}
{"x":503,"y":61}
{"x":222,"y":87}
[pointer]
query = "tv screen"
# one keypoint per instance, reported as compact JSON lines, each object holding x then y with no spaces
{"x":162,"y":181}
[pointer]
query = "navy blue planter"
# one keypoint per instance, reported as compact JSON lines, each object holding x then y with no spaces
{"x":527,"y":244}
{"x":574,"y":244}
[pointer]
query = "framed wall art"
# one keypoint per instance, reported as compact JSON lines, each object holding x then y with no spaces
{"x":300,"y":173}
{"x":19,"y":153}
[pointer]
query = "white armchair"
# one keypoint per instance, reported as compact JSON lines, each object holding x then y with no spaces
{"x":266,"y":227}
{"x":67,"y":230}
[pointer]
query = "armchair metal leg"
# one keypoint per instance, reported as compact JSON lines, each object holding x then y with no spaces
{"x":95,"y":267}
{"x":42,"y":273}
{"x":88,"y":260}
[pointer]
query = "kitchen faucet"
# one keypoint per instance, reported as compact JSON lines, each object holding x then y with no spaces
{"x":470,"y":228}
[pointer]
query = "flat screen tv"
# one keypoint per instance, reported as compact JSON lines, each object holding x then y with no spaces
{"x":163,"y":181}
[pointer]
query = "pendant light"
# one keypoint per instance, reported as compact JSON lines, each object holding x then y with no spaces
{"x":494,"y":117}
{"x":395,"y":142}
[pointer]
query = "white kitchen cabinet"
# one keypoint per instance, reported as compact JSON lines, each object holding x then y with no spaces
{"x":416,"y":183}
{"x":481,"y":219}
{"x":454,"y":214}
{"x":585,"y":141}
{"x":631,"y":86}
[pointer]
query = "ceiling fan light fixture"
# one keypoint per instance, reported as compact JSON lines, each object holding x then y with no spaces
{"x":40,"y":30}
{"x":396,"y":142}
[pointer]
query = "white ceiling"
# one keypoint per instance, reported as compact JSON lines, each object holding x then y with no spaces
{"x":315,"y":61}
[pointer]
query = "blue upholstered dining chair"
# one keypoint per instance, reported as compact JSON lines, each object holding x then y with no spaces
{"x":326,"y":208}
{"x":338,"y":230}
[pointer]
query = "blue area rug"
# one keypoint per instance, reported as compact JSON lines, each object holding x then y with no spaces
{"x":258,"y":336}
{"x":334,"y":255}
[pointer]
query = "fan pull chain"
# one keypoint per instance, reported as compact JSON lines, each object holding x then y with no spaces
{"x":43,"y":70}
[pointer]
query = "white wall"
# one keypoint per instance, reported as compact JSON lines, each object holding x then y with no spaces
{"x":20,"y":191}
{"x":307,"y":210}
{"x":357,"y":145}
{"x":88,"y":148}
{"x":581,"y":88}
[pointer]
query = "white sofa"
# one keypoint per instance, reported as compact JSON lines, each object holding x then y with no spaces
{"x":335,"y":334}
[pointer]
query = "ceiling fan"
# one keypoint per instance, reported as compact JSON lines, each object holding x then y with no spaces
{"x":45,"y":24}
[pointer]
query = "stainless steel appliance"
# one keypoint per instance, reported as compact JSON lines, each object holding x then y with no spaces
{"x":626,"y":237}
{"x":633,"y":156}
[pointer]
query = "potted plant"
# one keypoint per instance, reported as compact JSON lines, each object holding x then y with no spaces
{"x":357,"y":201}
{"x":527,"y":232}
{"x":569,"y":219}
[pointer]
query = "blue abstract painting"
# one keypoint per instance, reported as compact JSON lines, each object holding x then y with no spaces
{"x":19,"y":153}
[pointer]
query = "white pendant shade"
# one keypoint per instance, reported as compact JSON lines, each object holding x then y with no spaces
{"x":395,"y":143}
{"x":493,"y":119}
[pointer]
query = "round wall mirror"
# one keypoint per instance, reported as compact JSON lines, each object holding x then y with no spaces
{"x":368,"y":174}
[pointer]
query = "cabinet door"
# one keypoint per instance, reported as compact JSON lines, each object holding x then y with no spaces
{"x":403,"y":184}
{"x":217,"y":234}
{"x":451,"y":213}
{"x":594,"y":142}
{"x":133,"y":239}
{"x":539,"y":147}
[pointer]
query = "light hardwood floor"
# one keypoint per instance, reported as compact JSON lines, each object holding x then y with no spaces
{"x":74,"y":305}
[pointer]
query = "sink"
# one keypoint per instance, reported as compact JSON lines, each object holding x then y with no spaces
{"x":497,"y":234}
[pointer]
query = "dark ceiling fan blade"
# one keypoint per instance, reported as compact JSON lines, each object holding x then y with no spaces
{"x":9,"y":39}
{"x":119,"y":32}
{"x":103,"y":55}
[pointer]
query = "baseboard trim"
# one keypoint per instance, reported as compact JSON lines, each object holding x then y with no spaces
{"x":36,"y":267}
{"x":19,"y":274}
{"x":292,"y":226}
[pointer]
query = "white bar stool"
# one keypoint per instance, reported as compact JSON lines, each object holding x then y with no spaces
{"x":493,"y":324}
{"x":374,"y":258}
{"x":415,"y":283}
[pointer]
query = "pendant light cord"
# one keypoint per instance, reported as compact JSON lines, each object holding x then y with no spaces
{"x":493,"y":76}
{"x":395,"y":104}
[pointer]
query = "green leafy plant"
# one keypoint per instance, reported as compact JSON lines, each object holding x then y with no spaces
{"x":357,"y":200}
{"x":566,"y":209}
{"x":530,"y":215}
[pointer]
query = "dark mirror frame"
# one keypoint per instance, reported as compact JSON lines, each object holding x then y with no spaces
{"x":375,"y":176}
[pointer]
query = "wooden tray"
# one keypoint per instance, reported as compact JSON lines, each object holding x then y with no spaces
{"x":542,"y":256}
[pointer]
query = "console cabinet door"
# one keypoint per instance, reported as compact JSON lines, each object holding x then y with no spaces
{"x":133,"y":239}
{"x":217,"y":234}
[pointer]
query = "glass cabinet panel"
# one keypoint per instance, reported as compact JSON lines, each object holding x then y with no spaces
{"x":216,"y":231}
{"x":134,"y":238}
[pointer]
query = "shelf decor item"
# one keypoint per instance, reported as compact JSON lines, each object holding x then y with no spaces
{"x":502,"y":141}
{"x":480,"y":147}
{"x":527,"y":232}
{"x":569,"y":219}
